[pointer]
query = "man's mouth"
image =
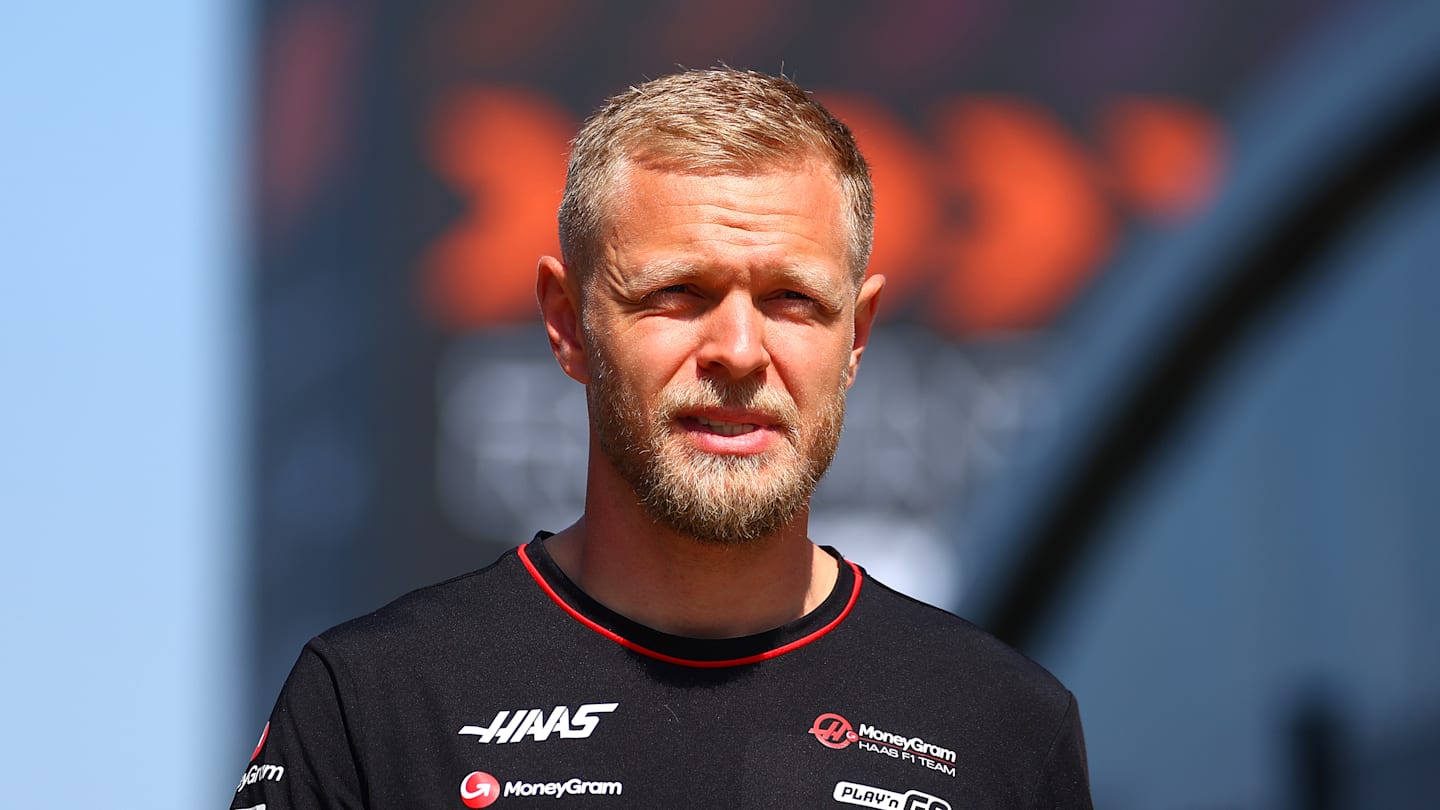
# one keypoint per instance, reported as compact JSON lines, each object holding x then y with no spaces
{"x":726,"y":428}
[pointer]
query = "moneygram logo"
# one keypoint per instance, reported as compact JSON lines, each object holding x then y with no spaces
{"x":833,"y":731}
{"x":570,"y":787}
{"x":513,"y":726}
{"x":479,"y":789}
{"x":260,"y":773}
{"x":882,"y":799}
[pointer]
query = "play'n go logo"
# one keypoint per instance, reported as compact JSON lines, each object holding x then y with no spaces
{"x":882,"y":799}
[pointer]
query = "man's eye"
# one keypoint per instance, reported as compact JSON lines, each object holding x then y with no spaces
{"x":792,"y":295}
{"x":666,"y":292}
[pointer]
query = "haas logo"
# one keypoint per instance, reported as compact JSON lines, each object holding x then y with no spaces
{"x":513,"y":726}
{"x":833,"y":731}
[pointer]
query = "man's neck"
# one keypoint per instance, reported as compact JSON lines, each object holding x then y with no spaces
{"x":686,"y":587}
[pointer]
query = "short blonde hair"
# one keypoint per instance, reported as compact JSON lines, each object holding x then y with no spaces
{"x":714,"y":121}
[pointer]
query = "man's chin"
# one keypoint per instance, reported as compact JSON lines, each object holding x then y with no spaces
{"x":726,"y":499}
{"x":728,"y":472}
{"x":723,"y":530}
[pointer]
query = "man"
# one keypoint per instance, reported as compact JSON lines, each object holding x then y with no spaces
{"x":684,"y":644}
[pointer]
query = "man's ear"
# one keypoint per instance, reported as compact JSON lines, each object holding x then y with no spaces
{"x":559,"y":295}
{"x":866,"y":303}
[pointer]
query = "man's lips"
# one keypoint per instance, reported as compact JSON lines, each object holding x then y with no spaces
{"x":726,"y":428}
{"x":731,"y":432}
{"x":730,"y":421}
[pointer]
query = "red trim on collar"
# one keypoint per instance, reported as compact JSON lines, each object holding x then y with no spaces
{"x":688,"y":662}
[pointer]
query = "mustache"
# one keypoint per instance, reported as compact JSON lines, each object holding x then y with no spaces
{"x":748,"y":395}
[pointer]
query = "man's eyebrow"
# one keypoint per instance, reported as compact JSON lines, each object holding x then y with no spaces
{"x":816,"y":281}
{"x":811,"y":279}
{"x":809,"y":276}
{"x":804,"y":275}
{"x":655,"y":272}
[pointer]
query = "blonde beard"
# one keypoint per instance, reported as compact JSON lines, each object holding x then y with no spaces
{"x":720,"y":499}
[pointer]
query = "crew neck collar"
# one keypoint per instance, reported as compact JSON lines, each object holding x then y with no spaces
{"x":684,"y":650}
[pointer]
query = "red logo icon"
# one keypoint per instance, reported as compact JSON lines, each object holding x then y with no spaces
{"x":263,"y":735}
{"x":479,"y":789}
{"x":833,"y":731}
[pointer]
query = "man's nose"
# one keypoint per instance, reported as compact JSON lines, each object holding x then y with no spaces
{"x":733,"y":338}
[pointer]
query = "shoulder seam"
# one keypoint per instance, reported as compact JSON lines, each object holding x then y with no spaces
{"x":1054,"y":744}
{"x":340,"y":684}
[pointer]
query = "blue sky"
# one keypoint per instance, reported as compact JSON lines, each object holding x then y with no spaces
{"x":120,"y":145}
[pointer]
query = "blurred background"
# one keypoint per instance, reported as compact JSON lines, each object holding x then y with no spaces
{"x":1152,"y":397}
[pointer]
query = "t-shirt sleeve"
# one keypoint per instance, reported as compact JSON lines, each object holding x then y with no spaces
{"x":1065,"y":779}
{"x":304,"y":760}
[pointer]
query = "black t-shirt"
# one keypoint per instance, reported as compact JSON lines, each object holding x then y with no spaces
{"x":510,"y":687}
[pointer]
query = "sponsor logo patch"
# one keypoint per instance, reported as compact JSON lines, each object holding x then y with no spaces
{"x":510,"y":726}
{"x":834,"y":731}
{"x":882,"y":799}
{"x":480,"y":789}
{"x":264,"y":735}
{"x":570,"y":787}
{"x":260,"y":773}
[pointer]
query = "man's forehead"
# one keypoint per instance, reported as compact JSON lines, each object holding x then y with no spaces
{"x":787,"y":220}
{"x":807,"y":162}
{"x":636,"y":191}
{"x":686,"y":156}
{"x":635,"y":187}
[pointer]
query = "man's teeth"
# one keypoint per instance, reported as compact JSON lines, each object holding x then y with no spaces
{"x":726,"y":428}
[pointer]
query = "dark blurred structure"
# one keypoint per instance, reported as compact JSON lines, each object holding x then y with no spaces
{"x":1153,"y":397}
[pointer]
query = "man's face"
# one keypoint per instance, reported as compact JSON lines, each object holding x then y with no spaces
{"x":720,"y":335}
